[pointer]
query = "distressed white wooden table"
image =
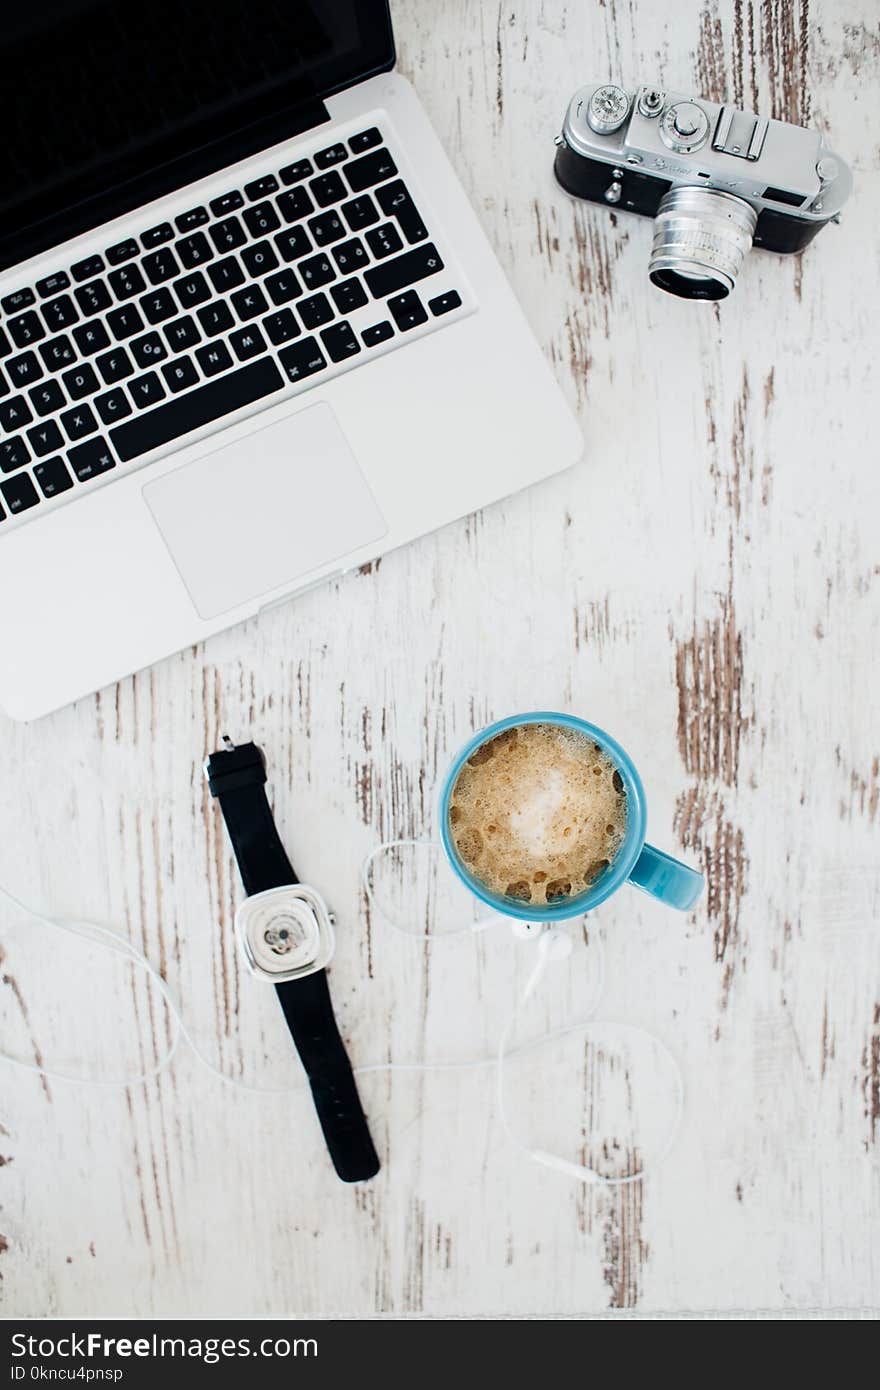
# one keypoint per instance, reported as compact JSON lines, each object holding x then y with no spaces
{"x":706,"y":586}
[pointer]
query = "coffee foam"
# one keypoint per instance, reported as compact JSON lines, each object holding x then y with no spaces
{"x":538,"y":813}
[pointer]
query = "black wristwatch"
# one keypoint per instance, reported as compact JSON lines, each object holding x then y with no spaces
{"x":286,"y":933}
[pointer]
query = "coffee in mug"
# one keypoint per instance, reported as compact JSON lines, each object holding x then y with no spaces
{"x":538,"y":812}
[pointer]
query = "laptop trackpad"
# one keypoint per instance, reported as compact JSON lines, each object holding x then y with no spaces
{"x":264,"y":511}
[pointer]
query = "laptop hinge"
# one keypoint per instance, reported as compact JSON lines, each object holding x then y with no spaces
{"x":164,"y":178}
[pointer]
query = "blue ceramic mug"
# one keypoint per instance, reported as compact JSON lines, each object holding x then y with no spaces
{"x":636,"y":862}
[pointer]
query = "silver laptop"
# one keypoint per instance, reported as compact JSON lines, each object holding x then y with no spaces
{"x":251,"y":333}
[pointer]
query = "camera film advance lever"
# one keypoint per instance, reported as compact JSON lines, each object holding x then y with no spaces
{"x":286,"y":934}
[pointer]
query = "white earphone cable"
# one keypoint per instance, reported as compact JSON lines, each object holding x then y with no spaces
{"x":112,"y":940}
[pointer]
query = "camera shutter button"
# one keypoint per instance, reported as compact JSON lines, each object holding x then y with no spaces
{"x":684,"y":126}
{"x":687,"y":118}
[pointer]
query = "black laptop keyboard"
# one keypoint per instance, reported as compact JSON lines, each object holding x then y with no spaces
{"x":134,"y":349}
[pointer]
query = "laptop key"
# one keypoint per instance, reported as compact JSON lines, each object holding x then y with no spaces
{"x":114,"y":366}
{"x":302,"y":359}
{"x":261,"y":188}
{"x":407,"y":310}
{"x":249,"y":302}
{"x":315,"y":310}
{"x":126,"y":281}
{"x":52,"y":284}
{"x":213,"y":358}
{"x":293,"y":244}
{"x":18,"y":300}
{"x":87,"y":269}
{"x":91,"y":337}
{"x":196,"y":408}
{"x":14,"y":413}
{"x":192,"y":289}
{"x":366,"y":140}
{"x":24,"y":369}
{"x":228,"y":234}
{"x":194,"y":250}
{"x":334,"y":154}
{"x":326,"y":228}
{"x":45,"y":438}
{"x":292,"y":173}
{"x":377,"y":333}
{"x":113,"y":406}
{"x":349,"y":295}
{"x":122,"y":251}
{"x":182,"y":334}
{"x":93,"y":297}
{"x":247,"y":343}
{"x":316,"y":272}
{"x":395,"y":201}
{"x":124,"y":322}
{"x":259,"y":259}
{"x":5,"y":345}
{"x":19,"y":493}
{"x":160,"y":266}
{"x":79,"y":422}
{"x":80,"y":381}
{"x":261,"y":219}
{"x":196,"y":217}
{"x":390,"y":276}
{"x":228,"y":202}
{"x":350,"y":255}
{"x":215,"y":318}
{"x":14,"y":453}
{"x":445,"y":303}
{"x":180,"y":373}
{"x":158,"y":306}
{"x":283,"y":286}
{"x":370,"y":169}
{"x":157,"y":235}
{"x":340,"y":341}
{"x":148,"y":350}
{"x":147,"y":390}
{"x":328,"y":189}
{"x":294,"y":204}
{"x":281,"y":327}
{"x":52,"y":476}
{"x":90,"y":459}
{"x":47,"y":398}
{"x":60,"y":313}
{"x":58,"y":353}
{"x":384,"y":241}
{"x":226,"y":274}
{"x":360,"y":212}
{"x":26,"y":329}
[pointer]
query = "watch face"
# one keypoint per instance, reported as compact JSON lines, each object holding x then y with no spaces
{"x":285,"y":933}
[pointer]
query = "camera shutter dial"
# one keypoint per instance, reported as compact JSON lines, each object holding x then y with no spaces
{"x":684,"y":127}
{"x":607,"y":109}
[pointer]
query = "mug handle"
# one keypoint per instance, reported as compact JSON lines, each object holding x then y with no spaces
{"x":666,"y":878}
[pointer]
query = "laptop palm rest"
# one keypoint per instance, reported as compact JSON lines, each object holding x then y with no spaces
{"x":264,"y":511}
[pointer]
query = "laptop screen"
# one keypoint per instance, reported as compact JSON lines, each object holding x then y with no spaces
{"x":112,"y":102}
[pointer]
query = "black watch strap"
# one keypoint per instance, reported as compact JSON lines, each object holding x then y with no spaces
{"x":237,"y":778}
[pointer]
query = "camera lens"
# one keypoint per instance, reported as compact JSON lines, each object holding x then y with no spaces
{"x":700,"y":241}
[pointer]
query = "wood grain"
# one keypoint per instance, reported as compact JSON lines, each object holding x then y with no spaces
{"x":705,"y":586}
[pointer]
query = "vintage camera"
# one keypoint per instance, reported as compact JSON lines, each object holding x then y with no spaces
{"x":716,"y":180}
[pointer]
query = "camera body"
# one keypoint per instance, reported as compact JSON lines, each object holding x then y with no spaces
{"x":717,"y":179}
